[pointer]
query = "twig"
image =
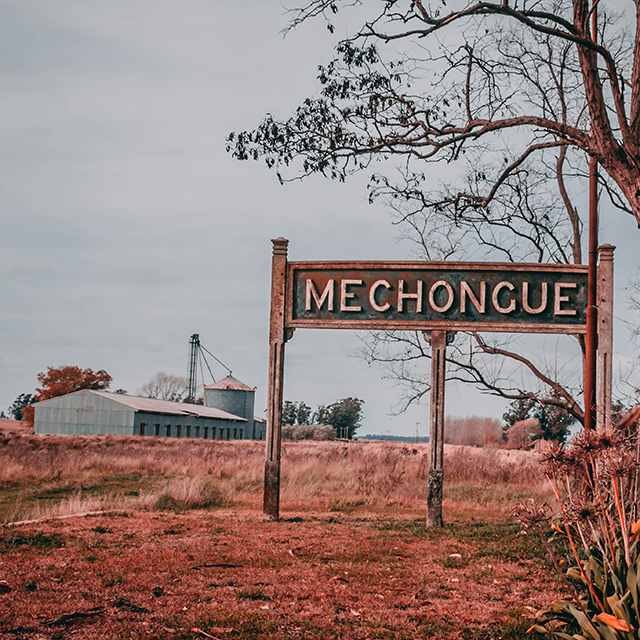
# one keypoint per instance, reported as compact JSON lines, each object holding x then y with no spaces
{"x":66,"y":617}
{"x":204,"y":633}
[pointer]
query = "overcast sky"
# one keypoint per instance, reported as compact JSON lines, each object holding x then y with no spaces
{"x":126,"y":227}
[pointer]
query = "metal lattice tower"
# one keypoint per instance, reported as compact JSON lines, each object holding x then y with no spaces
{"x":193,"y":361}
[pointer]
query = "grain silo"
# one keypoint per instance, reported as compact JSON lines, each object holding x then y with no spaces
{"x":235,"y":397}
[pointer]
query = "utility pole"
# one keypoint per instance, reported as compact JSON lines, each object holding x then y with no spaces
{"x":591,"y":337}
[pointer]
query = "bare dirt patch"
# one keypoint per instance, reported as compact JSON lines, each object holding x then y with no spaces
{"x":231,"y":575}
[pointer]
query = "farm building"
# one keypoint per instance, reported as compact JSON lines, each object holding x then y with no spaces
{"x":235,"y":397}
{"x":101,"y":412}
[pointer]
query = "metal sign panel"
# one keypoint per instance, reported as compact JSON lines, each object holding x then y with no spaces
{"x":457,"y":296}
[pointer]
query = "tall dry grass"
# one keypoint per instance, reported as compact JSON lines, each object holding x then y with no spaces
{"x":166,"y":473}
{"x":375,"y":472}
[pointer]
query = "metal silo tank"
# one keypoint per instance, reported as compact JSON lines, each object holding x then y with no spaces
{"x":235,"y":397}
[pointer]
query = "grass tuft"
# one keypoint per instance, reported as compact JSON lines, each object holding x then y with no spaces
{"x":9,"y":540}
{"x":192,"y":493}
{"x":252,"y":593}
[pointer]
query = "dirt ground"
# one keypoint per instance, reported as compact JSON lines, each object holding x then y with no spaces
{"x":357,"y":573}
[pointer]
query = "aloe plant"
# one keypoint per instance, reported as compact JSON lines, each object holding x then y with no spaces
{"x":596,"y":483}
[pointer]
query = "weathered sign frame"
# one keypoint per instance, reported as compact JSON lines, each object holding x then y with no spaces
{"x":292,"y":308}
{"x":445,"y":277}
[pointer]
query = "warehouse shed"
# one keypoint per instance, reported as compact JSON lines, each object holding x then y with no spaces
{"x":100,"y":412}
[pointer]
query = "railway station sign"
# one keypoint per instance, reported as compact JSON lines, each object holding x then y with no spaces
{"x":456,"y":296}
{"x":424,"y":296}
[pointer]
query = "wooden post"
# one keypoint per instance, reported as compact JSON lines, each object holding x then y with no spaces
{"x":271,"y":502}
{"x":436,"y":429}
{"x":605,"y":334}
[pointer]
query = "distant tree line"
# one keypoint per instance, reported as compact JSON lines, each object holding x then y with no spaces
{"x":524,"y":422}
{"x":344,"y":416}
{"x":378,"y":436}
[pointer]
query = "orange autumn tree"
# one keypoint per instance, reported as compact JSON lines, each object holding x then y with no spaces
{"x":58,"y":381}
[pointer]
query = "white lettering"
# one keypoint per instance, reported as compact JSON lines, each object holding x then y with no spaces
{"x":409,"y":296}
{"x":327,"y":294}
{"x":372,"y":295}
{"x":525,"y":299}
{"x":559,"y":299}
{"x":494,"y":297}
{"x":447,"y":305}
{"x":345,"y":295}
{"x":465,"y":290}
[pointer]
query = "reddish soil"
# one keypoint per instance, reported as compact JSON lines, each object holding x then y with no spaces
{"x":228,"y":574}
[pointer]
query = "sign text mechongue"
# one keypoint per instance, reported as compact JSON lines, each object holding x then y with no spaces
{"x":437,"y":295}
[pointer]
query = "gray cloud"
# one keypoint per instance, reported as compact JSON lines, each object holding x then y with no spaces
{"x":126,"y":227}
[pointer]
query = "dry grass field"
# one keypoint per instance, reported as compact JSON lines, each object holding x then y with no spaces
{"x":179,"y":549}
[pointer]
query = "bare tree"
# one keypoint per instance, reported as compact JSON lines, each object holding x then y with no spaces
{"x":497,"y":369}
{"x":514,"y":97}
{"x":164,"y":387}
{"x":498,"y":68}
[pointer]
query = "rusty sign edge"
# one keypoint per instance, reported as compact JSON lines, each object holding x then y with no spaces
{"x":436,"y":325}
{"x":435,"y":265}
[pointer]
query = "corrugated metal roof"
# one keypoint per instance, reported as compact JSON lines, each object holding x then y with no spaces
{"x":164,"y":406}
{"x":152,"y":405}
{"x":229,"y":383}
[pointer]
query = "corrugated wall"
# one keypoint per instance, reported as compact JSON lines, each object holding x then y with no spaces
{"x":236,"y":401}
{"x":83,"y":413}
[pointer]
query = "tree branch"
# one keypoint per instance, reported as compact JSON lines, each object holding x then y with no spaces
{"x":573,"y":406}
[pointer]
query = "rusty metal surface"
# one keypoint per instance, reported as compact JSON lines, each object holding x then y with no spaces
{"x":591,"y":330}
{"x":230,"y":383}
{"x":505,"y":297}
